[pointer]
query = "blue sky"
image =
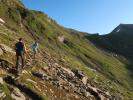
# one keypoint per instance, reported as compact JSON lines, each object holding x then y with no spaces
{"x":92,"y":16}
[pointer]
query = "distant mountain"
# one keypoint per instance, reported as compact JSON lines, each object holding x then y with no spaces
{"x":69,"y":65}
{"x":120,"y":40}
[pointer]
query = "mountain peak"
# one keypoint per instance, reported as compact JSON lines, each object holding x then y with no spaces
{"x":124,"y":28}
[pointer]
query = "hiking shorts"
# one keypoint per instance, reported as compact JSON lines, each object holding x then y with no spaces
{"x":21,"y":53}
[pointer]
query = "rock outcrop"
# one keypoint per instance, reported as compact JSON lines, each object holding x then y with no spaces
{"x":4,"y":49}
{"x":2,"y":22}
{"x":70,"y":80}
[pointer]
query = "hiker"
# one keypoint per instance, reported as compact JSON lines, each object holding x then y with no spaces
{"x":20,"y":51}
{"x":35,"y":49}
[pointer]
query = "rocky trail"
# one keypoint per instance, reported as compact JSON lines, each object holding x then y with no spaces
{"x":54,"y":80}
{"x":20,"y":91}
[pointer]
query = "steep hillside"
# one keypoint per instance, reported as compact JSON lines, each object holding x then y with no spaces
{"x":118,"y":41}
{"x":65,"y":59}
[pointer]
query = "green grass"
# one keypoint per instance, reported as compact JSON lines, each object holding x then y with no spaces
{"x":5,"y":89}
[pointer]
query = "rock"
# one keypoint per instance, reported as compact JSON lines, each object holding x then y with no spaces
{"x":2,"y":95}
{"x":49,"y":65}
{"x":78,"y":91}
{"x":62,"y":60}
{"x":66,"y":88}
{"x":99,"y":94}
{"x":56,"y":64}
{"x":84,"y":80}
{"x":1,"y":24}
{"x":41,"y":75}
{"x":93,"y":91}
{"x":106,"y":94}
{"x":90,"y":88}
{"x":51,"y":91}
{"x":102,"y":97}
{"x":79,"y":74}
{"x":29,"y":80}
{"x":1,"y":80}
{"x":3,"y":32}
{"x":61,"y":38}
{"x":56,"y":83}
{"x":24,"y":72}
{"x":46,"y":69}
{"x":87,"y":94}
{"x":68,"y":71}
{"x":6,"y":49}
{"x":91,"y":69}
{"x":1,"y":52}
{"x":72,"y":85}
{"x":38,"y":88}
{"x":76,"y":96}
{"x":28,"y":64}
{"x":2,"y":72}
{"x":17,"y":95}
{"x":2,"y":21}
{"x":82,"y":90}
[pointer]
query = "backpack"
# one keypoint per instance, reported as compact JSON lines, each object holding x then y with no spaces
{"x":19,"y":47}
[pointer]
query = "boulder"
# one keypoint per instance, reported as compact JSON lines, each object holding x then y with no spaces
{"x":1,"y":52}
{"x":66,"y":88}
{"x":2,"y":21}
{"x":90,"y":88}
{"x":102,"y":97}
{"x":5,"y":49}
{"x":41,"y":75}
{"x":51,"y":91}
{"x":84,"y":80}
{"x":79,"y":74}
{"x":29,"y":80}
{"x":17,"y":95}
{"x":106,"y":94}
{"x":68,"y":71}
{"x":61,"y":38}
{"x":2,"y":95}
{"x":1,"y":24}
{"x":2,"y":72}
{"x":1,"y":80}
{"x":56,"y":83}
{"x":87,"y":94}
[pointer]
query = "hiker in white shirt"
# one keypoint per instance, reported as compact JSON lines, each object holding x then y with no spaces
{"x":35,"y":49}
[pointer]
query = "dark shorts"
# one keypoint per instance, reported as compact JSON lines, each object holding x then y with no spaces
{"x":20,"y":53}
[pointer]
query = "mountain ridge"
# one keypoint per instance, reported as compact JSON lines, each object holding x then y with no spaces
{"x":123,"y":28}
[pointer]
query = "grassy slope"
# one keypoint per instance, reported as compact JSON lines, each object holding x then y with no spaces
{"x":78,"y":53}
